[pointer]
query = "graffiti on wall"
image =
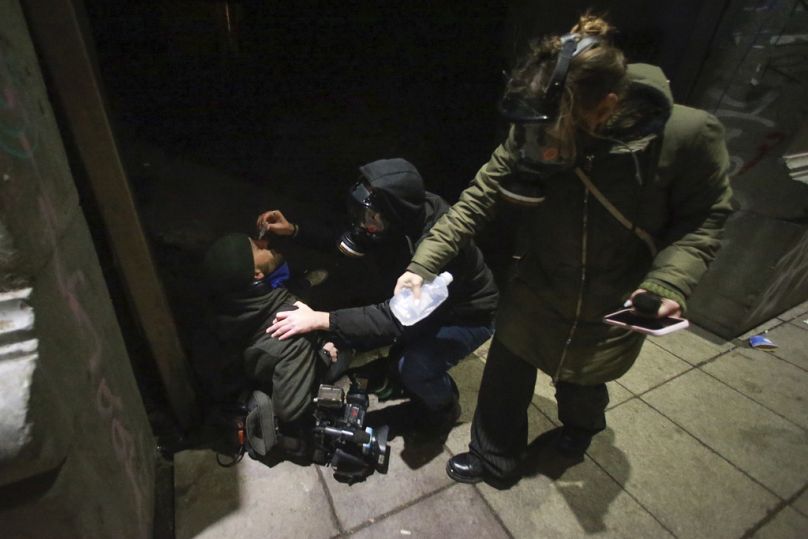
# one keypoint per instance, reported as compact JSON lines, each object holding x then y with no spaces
{"x":738,"y":117}
{"x":18,"y":144}
{"x":18,"y":136}
{"x":762,"y":72}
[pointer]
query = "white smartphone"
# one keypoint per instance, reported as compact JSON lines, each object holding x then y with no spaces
{"x":630,"y":320}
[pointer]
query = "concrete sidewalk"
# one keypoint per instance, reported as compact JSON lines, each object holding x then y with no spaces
{"x":706,"y":438}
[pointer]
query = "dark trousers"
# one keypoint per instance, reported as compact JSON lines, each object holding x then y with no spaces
{"x":425,"y":362}
{"x":499,"y":429}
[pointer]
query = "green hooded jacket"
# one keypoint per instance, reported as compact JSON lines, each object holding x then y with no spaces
{"x":232,"y":352}
{"x":664,"y":168}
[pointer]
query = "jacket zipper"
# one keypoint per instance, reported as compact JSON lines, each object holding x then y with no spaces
{"x":579,"y":304}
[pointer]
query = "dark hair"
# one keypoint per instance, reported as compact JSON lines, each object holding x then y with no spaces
{"x":592,"y":75}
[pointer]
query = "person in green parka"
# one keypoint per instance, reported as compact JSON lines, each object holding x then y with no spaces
{"x":626,"y":193}
{"x":244,"y":280}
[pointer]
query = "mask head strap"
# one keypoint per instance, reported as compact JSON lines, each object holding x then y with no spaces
{"x":518,"y":109}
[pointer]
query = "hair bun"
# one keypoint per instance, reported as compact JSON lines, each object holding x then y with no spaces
{"x":592,"y":25}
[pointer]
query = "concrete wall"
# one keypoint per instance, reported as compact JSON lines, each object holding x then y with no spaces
{"x":76,"y":450}
{"x":755,"y":80}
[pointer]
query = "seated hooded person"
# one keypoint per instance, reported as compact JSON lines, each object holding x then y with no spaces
{"x":390,"y":213}
{"x":244,"y":280}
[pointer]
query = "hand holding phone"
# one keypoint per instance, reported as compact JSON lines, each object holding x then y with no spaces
{"x":642,"y":318}
{"x":630,"y":320}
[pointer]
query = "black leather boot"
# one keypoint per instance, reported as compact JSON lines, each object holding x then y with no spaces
{"x":468,"y":468}
{"x":572,"y":443}
{"x":465,"y":468}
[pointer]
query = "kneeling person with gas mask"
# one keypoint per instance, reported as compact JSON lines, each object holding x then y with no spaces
{"x":276,"y":384}
{"x":390,"y":213}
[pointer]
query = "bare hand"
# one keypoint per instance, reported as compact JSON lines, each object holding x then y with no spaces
{"x":274,"y":222}
{"x":668,"y":307}
{"x":412,"y":281}
{"x":332,"y":351}
{"x":303,"y":320}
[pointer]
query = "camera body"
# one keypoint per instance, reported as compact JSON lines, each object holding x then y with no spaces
{"x":338,"y":436}
{"x":341,"y":439}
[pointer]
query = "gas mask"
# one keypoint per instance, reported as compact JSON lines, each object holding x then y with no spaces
{"x":369,"y":226}
{"x":534,"y":120}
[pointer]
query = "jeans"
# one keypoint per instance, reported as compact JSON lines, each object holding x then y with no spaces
{"x":424,"y":362}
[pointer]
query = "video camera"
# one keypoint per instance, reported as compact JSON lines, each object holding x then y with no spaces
{"x":340,"y":438}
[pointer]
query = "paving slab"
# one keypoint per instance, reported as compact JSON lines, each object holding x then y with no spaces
{"x":694,"y":344}
{"x":765,"y":378}
{"x":482,"y":351}
{"x":618,"y":394}
{"x":684,"y":484}
{"x":801,"y":503}
{"x":458,"y":511}
{"x":653,"y":367}
{"x":544,"y":396}
{"x":414,"y":472}
{"x":563,"y":498}
{"x":787,"y":524}
{"x":764,"y":445}
{"x":792,"y":343}
{"x":467,"y":375}
{"x":796,"y":312}
{"x":458,"y":440}
{"x":248,"y":500}
{"x":758,"y":330}
{"x":801,"y":323}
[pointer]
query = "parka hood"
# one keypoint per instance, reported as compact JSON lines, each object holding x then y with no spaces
{"x":645,"y":107}
{"x":402,"y":188}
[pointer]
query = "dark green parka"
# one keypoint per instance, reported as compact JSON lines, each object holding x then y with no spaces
{"x":665,"y":170}
{"x":233,"y":353}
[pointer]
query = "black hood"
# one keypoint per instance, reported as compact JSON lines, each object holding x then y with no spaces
{"x":402,"y":190}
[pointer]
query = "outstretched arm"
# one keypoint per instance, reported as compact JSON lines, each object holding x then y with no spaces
{"x":299,"y":321}
{"x":476,"y":206}
{"x":310,"y":234}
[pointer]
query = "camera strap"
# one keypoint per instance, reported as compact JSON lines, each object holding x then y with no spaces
{"x":612,"y":209}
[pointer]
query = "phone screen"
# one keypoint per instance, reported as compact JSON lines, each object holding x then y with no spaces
{"x":627,"y":317}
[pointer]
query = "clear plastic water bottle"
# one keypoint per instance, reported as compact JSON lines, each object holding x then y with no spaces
{"x":409,"y":311}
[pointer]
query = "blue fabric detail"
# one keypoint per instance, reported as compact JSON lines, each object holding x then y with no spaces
{"x":278,"y":277}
